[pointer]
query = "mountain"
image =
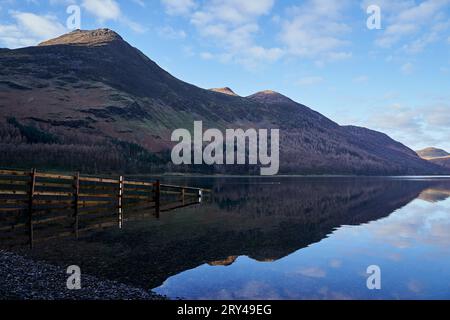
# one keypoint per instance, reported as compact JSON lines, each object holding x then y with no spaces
{"x":90,"y":101}
{"x":430,"y":153}
{"x":436,"y":156}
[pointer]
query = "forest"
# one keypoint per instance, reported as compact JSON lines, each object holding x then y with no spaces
{"x":26,"y":146}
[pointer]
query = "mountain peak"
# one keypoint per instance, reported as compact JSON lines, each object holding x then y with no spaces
{"x":270,"y":96}
{"x":85,"y":37}
{"x":225,"y":90}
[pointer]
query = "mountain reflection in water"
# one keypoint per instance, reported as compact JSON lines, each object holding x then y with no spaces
{"x":277,"y":238}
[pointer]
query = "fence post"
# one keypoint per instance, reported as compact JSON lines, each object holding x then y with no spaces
{"x":30,"y":204}
{"x":120,"y":201}
{"x":183,"y":192}
{"x":76,"y":194}
{"x":120,"y":192}
{"x":158,"y":198}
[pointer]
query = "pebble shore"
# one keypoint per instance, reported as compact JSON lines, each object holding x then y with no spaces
{"x":24,"y":279}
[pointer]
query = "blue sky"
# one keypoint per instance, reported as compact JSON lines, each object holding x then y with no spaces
{"x":318,"y":52}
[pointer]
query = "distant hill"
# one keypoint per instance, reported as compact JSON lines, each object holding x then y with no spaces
{"x":89,"y":101}
{"x":430,"y":153}
{"x":436,"y":156}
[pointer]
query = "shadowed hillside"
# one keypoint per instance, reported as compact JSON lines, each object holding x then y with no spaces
{"x":89,"y":101}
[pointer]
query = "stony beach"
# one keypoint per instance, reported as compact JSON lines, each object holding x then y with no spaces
{"x":25,"y":279}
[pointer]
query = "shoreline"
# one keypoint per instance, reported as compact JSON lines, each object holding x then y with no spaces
{"x":26,"y":279}
{"x":224,"y":175}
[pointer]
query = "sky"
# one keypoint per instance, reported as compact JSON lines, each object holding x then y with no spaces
{"x":321,"y":53}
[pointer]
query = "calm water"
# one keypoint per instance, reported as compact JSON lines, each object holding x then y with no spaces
{"x":277,"y":238}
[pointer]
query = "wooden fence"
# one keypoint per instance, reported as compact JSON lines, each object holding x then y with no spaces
{"x":40,"y":193}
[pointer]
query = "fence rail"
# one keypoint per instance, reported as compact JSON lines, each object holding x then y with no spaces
{"x":34,"y":186}
{"x":38,"y":194}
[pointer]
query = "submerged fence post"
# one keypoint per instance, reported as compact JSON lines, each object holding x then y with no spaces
{"x":200,"y":195}
{"x":76,"y":194}
{"x":183,"y":192}
{"x":30,"y":204}
{"x":158,"y":198}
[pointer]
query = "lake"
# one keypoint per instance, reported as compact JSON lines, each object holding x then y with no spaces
{"x":273,"y":238}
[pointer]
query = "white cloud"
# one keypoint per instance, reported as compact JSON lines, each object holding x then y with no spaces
{"x":395,"y":32}
{"x":179,"y":7}
{"x":417,"y":24}
{"x":312,"y":272}
{"x":42,"y":27}
{"x":388,"y":6}
{"x":397,"y":116}
{"x":417,"y":127}
{"x":29,"y":29}
{"x":420,"y":43}
{"x":231,"y":11}
{"x":309,"y":81}
{"x":171,"y":33}
{"x":232,"y":26}
{"x":140,"y":3}
{"x":264,"y":54}
{"x":103,"y":9}
{"x":12,"y":37}
{"x":62,"y":2}
{"x":136,"y":27}
{"x":438,"y":115}
{"x":315,"y":29}
{"x":207,"y":55}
